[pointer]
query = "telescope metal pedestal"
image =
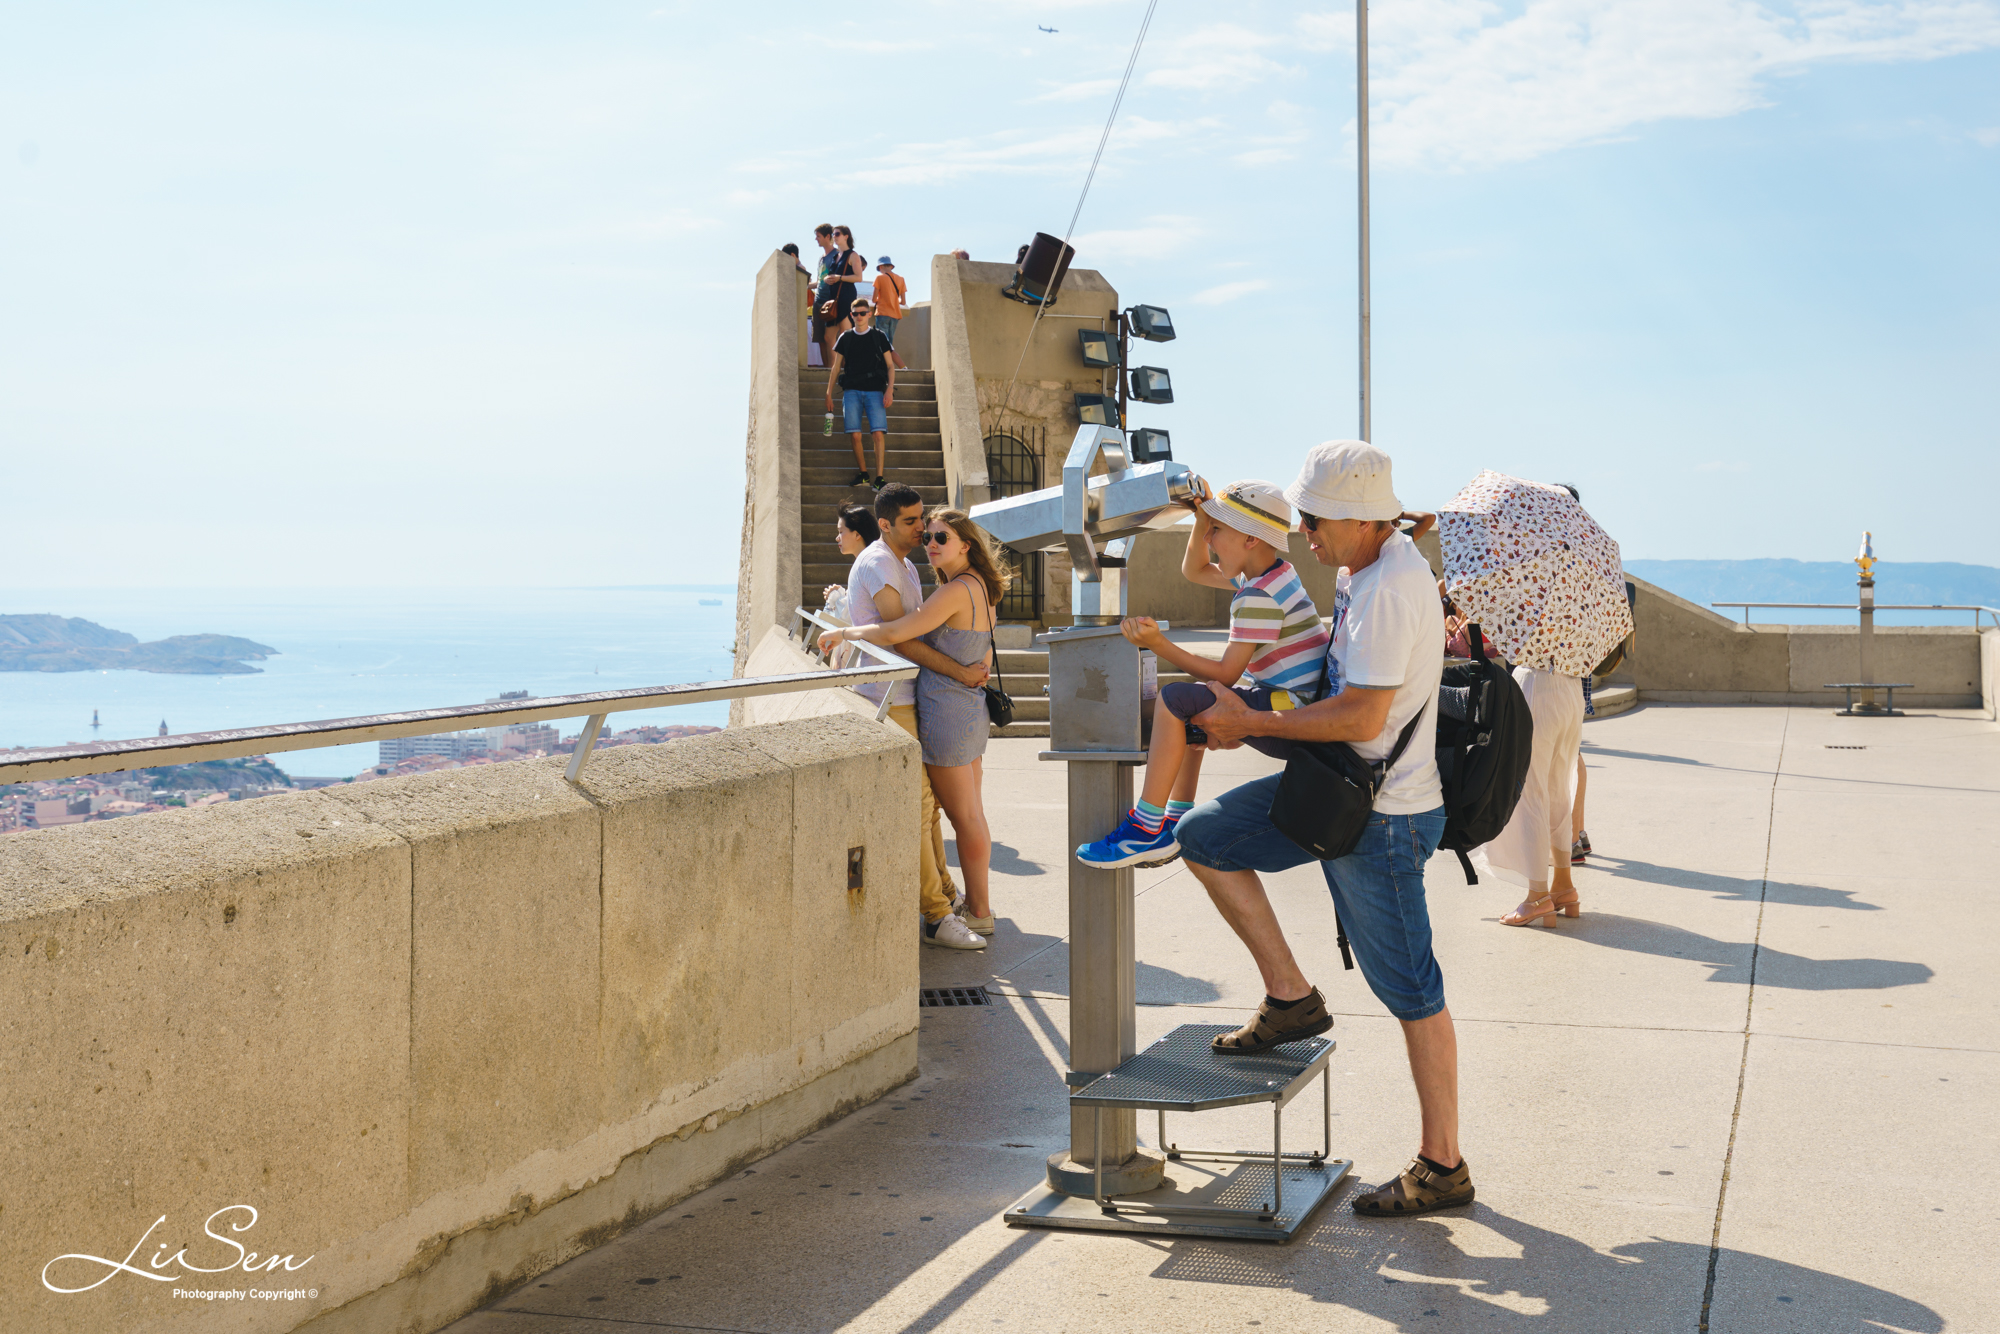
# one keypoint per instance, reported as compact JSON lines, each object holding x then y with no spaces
{"x":1247,"y":1195}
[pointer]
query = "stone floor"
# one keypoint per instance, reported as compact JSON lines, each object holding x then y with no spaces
{"x":1687,"y":1110}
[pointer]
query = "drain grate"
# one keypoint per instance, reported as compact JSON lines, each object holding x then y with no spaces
{"x":1847,"y":747}
{"x":954,"y":996}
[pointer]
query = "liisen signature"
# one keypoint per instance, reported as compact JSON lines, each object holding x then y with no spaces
{"x":178,"y":1262}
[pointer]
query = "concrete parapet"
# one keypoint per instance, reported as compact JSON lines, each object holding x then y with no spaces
{"x":770,"y":564}
{"x":1688,"y":654}
{"x":441,"y":1032}
{"x":1989,"y":673}
{"x":957,"y":387}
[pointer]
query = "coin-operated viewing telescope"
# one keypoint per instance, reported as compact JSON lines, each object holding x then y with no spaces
{"x":1098,"y":683}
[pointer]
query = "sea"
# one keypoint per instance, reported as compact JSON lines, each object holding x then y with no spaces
{"x":344,"y":653}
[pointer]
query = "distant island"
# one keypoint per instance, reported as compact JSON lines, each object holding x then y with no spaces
{"x":68,"y":644}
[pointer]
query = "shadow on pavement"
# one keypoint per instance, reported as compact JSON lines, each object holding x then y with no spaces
{"x":1731,"y":960}
{"x":1744,"y":889}
{"x":1414,"y":1274}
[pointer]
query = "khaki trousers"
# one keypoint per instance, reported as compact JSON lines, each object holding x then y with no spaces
{"x":935,"y":889}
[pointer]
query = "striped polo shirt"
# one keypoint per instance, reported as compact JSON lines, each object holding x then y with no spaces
{"x":1274,"y":612}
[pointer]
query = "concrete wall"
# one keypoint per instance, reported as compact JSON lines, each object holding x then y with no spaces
{"x":1989,"y":672}
{"x":1689,"y":654}
{"x":769,"y":565}
{"x":957,"y":387}
{"x":913,"y":337}
{"x":444,"y":1032}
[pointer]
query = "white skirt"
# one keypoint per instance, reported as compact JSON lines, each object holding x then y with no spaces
{"x":1539,"y":829}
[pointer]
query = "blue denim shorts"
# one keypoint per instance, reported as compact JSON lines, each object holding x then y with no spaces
{"x":852,"y":401}
{"x":1184,"y":699}
{"x":1378,"y":889}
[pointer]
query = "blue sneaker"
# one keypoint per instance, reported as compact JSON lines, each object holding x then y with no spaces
{"x":1129,"y":845}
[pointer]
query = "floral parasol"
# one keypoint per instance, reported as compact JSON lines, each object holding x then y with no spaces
{"x":1535,"y":571}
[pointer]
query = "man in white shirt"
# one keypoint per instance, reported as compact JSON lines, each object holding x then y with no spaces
{"x":1388,"y":657}
{"x":883,"y":586}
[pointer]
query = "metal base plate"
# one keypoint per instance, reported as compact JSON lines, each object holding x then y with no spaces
{"x":1225,"y":1185}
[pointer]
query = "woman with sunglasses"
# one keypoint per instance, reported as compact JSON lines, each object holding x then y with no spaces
{"x":952,"y":723}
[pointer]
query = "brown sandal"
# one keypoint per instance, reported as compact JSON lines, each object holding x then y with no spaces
{"x":1418,"y":1191}
{"x":1307,"y":1018}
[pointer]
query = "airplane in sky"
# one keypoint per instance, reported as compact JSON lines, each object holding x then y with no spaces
{"x":1039,"y":26}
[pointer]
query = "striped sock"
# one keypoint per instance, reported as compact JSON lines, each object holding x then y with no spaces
{"x":1176,"y":809}
{"x":1148,"y":816}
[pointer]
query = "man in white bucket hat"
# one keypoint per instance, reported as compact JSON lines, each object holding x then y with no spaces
{"x":1382,"y":673}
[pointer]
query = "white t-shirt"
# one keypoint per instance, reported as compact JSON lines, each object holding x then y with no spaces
{"x":1393,"y":635}
{"x":877,"y":568}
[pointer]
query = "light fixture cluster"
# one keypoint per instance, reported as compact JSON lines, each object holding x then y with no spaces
{"x":1110,"y":350}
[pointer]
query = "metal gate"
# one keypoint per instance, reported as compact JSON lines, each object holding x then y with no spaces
{"x":1013,"y":468}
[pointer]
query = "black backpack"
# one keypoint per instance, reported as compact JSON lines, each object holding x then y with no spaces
{"x":1482,"y":759}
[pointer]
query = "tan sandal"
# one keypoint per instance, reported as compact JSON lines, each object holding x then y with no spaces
{"x":1308,"y":1018}
{"x":1571,"y":906}
{"x":1532,"y":911}
{"x":1418,"y":1191}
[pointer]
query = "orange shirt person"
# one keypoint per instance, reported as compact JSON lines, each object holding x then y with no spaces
{"x":890,"y":290}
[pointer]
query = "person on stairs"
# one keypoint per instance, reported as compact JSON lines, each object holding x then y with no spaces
{"x":864,"y":366}
{"x":1274,"y":634}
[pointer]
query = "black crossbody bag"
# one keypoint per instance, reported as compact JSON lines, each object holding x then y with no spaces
{"x":1328,"y":792}
{"x":999,"y":704}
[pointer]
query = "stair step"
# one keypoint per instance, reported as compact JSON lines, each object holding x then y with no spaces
{"x":843,"y":443}
{"x":838,"y":476}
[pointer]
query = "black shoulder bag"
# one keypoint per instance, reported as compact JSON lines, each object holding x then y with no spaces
{"x":1328,"y":792}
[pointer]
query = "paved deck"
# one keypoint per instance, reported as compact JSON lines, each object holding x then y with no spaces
{"x":1761,"y":1071}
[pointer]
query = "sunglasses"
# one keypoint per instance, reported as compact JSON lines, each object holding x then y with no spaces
{"x":937,"y":539}
{"x":1309,"y":522}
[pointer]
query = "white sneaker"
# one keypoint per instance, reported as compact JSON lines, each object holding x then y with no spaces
{"x":958,"y":903}
{"x":951,"y":933}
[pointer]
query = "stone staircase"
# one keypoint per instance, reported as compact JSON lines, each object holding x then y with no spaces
{"x":826,"y":463}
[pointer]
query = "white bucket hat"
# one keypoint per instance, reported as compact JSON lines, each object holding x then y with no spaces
{"x":1254,"y":508}
{"x":1345,"y":479}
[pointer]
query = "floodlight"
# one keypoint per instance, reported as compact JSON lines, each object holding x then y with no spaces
{"x":1040,"y":274}
{"x":1151,"y":385}
{"x":1096,"y":410}
{"x":1150,"y":446}
{"x":1151,"y":323}
{"x":1097,"y":347}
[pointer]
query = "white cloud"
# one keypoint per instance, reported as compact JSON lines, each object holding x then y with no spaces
{"x":1064,"y":152}
{"x":1988,"y":137}
{"x":1160,"y":238}
{"x":1079,"y":92}
{"x":1216,"y":296}
{"x":1222,"y":55}
{"x":1465,"y":83}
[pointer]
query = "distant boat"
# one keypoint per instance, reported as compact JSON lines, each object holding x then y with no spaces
{"x":711,"y":602}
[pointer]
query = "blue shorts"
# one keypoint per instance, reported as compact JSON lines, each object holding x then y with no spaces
{"x":852,"y":401}
{"x":1378,"y":889}
{"x":887,"y":324}
{"x":1184,"y":699}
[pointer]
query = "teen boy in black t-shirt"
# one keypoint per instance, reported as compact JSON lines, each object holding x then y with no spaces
{"x":864,"y":366}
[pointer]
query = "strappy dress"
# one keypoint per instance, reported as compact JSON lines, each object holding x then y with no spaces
{"x":952,"y":722}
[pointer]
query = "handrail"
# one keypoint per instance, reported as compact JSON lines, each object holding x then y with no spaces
{"x":1973,"y":607}
{"x":102,"y":757}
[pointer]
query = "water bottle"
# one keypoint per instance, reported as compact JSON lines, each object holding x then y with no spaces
{"x":827,"y":429}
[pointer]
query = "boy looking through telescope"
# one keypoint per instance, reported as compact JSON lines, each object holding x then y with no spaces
{"x":1275,"y":636}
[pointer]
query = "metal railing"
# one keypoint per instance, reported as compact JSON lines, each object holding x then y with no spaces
{"x":25,"y":765}
{"x":1973,"y":607}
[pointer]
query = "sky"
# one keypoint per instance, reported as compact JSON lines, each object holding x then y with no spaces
{"x":458,"y":293}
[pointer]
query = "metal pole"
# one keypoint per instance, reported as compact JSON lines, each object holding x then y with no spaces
{"x":1867,"y":599}
{"x":1102,"y":995}
{"x":1361,"y":160}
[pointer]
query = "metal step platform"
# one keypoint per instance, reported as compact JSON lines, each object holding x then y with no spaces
{"x":1250,"y":1195}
